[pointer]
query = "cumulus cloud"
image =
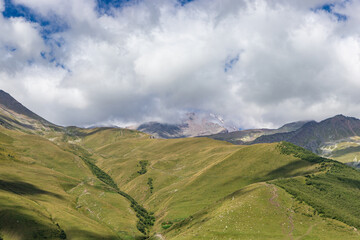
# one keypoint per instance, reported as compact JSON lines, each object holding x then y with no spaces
{"x":257,"y":63}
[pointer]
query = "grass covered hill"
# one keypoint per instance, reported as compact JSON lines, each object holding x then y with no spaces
{"x":113,"y":183}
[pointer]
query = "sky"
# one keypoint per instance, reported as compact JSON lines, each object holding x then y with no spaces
{"x":257,"y":63}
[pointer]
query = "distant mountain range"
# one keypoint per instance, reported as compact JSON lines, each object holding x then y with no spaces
{"x":337,"y":137}
{"x":194,"y":125}
{"x":249,"y":135}
{"x":313,"y":135}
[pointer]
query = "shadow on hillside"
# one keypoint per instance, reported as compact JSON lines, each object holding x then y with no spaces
{"x":238,"y":193}
{"x":353,"y":183}
{"x":20,"y":225}
{"x":23,"y":188}
{"x":77,"y":233}
{"x":24,"y":223}
{"x":16,"y":122}
{"x":341,"y":152}
{"x":288,"y":170}
{"x":83,"y":234}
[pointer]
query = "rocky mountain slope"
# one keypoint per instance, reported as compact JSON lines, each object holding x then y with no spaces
{"x":192,"y":126}
{"x":337,"y":137}
{"x":320,"y":137}
{"x":13,"y":115}
{"x":249,"y":135}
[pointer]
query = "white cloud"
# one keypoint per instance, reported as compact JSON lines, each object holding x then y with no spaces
{"x":2,"y":6}
{"x":155,"y":59}
{"x":20,"y":41}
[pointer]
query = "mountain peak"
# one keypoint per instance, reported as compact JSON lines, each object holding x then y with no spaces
{"x":10,"y":103}
{"x":340,"y":116}
{"x":15,"y":115}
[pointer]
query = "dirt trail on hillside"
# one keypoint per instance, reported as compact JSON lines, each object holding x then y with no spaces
{"x":159,"y":236}
{"x":274,"y":196}
{"x":273,"y":201}
{"x":291,"y":223}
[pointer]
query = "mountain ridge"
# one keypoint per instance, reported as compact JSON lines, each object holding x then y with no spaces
{"x":193,"y":125}
{"x":11,"y":103}
{"x":313,"y":135}
{"x":14,"y":115}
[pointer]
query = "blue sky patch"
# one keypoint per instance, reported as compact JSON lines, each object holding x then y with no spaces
{"x":329,"y":8}
{"x":105,"y":6}
{"x":183,"y":2}
{"x":10,"y":48}
{"x":49,"y":25}
{"x":229,"y":64}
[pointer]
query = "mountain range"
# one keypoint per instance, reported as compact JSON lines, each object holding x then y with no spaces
{"x":193,"y":125}
{"x":249,"y":135}
{"x":112,"y":183}
{"x":337,"y":137}
{"x":313,"y":135}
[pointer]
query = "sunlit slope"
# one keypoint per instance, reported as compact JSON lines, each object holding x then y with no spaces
{"x":260,"y":211}
{"x":48,"y":192}
{"x":346,"y":150}
{"x":189,"y":174}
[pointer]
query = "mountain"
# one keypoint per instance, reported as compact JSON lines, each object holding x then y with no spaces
{"x":314,"y":135}
{"x":194,"y":125}
{"x":13,"y":115}
{"x":337,"y":137}
{"x":113,"y":183}
{"x":249,"y":135}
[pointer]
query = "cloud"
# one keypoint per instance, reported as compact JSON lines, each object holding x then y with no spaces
{"x":2,"y":5}
{"x":257,"y":63}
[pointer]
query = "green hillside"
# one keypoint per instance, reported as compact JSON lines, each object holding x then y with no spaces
{"x":109,"y":183}
{"x":46,"y":191}
{"x":189,"y":175}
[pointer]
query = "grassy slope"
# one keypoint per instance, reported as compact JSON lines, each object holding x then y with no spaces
{"x":189,"y":175}
{"x":42,"y":185}
{"x":333,"y":193}
{"x":207,"y":188}
{"x":347,"y":151}
{"x":260,"y":211}
{"x":333,"y":190}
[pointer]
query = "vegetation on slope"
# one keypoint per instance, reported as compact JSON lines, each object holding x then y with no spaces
{"x":299,"y":152}
{"x":146,"y":219}
{"x":150,"y":183}
{"x":333,"y":191}
{"x":143,"y":164}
